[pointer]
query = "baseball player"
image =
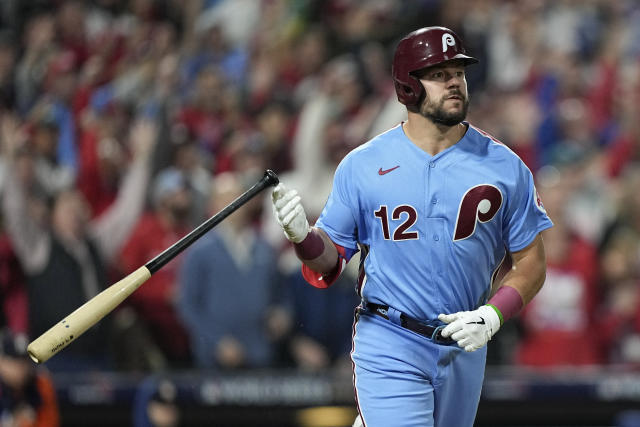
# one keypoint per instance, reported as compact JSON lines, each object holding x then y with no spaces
{"x":435,"y":206}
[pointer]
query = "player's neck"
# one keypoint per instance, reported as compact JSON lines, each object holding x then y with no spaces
{"x":431,"y":137}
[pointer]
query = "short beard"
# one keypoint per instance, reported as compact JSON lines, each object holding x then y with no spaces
{"x":437,"y":115}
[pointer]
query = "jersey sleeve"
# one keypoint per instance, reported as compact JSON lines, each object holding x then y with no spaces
{"x":526,"y":216}
{"x":338,"y":218}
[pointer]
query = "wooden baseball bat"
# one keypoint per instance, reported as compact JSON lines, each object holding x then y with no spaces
{"x":75,"y":324}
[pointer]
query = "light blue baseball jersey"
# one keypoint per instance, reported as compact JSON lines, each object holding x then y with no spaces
{"x":432,"y":229}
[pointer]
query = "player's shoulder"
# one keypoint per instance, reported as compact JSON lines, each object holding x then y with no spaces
{"x":490,"y":146}
{"x":376,"y":146}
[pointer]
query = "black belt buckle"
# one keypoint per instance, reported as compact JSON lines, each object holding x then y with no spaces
{"x":434,"y":333}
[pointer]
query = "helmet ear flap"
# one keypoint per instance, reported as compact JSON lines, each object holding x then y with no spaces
{"x":410,"y":92}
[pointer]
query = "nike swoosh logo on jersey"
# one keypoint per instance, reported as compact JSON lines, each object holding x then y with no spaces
{"x":386,"y":171}
{"x":481,"y":322}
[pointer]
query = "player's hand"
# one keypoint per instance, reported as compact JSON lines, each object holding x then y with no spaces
{"x":471,"y":329}
{"x":289,"y":213}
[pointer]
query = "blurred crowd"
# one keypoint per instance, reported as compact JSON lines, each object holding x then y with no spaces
{"x":125,"y":123}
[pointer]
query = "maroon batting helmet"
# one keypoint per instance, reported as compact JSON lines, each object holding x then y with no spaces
{"x":420,"y":49}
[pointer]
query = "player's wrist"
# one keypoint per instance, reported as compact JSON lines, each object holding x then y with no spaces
{"x":507,"y":302}
{"x":311,"y":246}
{"x":492,"y":316}
{"x":498,"y":312}
{"x":297,"y":236}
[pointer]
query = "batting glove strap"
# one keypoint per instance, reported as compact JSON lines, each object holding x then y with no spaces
{"x":471,"y":329}
{"x":289,"y":213}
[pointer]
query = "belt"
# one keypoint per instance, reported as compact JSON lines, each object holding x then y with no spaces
{"x":434,"y":333}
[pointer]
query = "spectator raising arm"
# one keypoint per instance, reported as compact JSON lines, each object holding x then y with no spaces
{"x":111,"y":229}
{"x":30,"y":239}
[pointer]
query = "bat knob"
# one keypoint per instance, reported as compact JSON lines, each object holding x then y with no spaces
{"x":271,"y":177}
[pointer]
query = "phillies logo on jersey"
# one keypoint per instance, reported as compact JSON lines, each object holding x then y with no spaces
{"x":539,"y":204}
{"x":479,"y":204}
{"x":447,"y":40}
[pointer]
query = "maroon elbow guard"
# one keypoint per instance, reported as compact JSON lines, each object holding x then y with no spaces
{"x":311,"y":247}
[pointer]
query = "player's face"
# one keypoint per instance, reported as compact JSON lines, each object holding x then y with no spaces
{"x":446,"y":101}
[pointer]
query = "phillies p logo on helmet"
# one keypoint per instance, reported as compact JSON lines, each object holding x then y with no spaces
{"x":447,"y":40}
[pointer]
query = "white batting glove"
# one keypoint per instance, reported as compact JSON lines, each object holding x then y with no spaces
{"x":471,"y":329}
{"x":289,"y":213}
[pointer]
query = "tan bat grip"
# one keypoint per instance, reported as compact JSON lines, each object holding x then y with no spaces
{"x":71,"y":327}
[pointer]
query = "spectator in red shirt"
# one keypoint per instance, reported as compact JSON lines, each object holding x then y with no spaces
{"x":13,"y":291}
{"x":157,"y":230}
{"x":203,"y":115}
{"x":620,"y":308}
{"x":559,"y":322}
